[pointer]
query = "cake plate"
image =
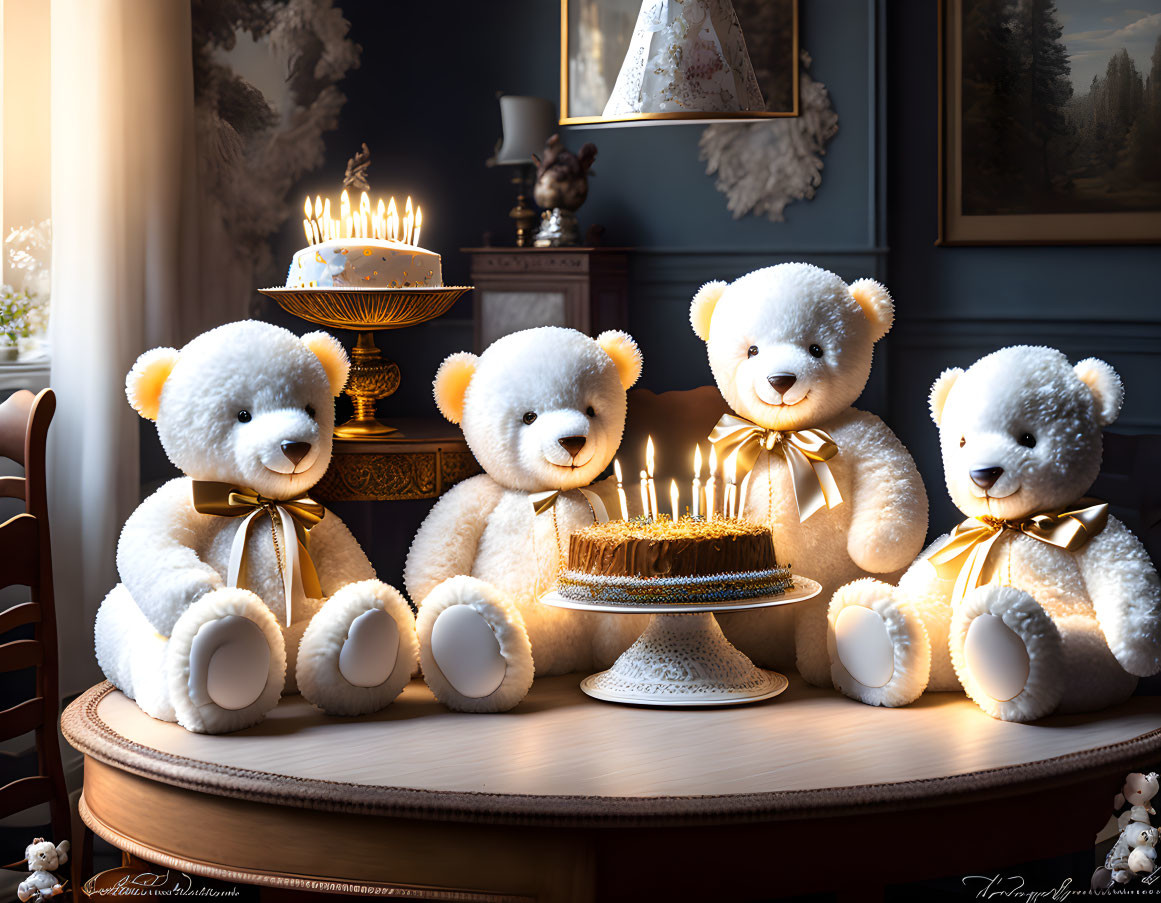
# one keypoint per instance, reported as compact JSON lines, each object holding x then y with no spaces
{"x":365,"y":309}
{"x":683,"y":658}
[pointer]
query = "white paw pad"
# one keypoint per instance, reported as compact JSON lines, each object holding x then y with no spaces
{"x":228,"y":664}
{"x":864,"y":646}
{"x":466,"y":650}
{"x":996,"y":657}
{"x":371,"y":649}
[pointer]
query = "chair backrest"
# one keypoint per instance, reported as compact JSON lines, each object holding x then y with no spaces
{"x":25,"y":560}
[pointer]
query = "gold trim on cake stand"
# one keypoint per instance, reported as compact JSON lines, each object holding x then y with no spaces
{"x":683,"y":658}
{"x":364,"y":310}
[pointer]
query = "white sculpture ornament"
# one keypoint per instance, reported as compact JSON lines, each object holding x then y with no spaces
{"x":43,"y":858}
{"x":761,"y":167}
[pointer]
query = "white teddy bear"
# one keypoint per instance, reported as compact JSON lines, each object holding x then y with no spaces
{"x":1134,"y":853}
{"x":236,"y":586}
{"x":1137,"y":794}
{"x":543,"y":411}
{"x":43,"y":859}
{"x":790,"y":348}
{"x":1040,"y":601}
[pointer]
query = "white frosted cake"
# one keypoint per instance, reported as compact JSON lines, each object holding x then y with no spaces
{"x":363,"y":263}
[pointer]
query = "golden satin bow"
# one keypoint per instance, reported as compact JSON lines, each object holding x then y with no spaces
{"x":806,"y":453}
{"x":299,"y":514}
{"x":964,"y":555}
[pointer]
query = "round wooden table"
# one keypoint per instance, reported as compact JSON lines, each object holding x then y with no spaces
{"x":568,"y":798}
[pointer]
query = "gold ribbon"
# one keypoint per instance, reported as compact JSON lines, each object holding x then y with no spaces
{"x":298,"y":514}
{"x":806,"y":453}
{"x":964,"y":555}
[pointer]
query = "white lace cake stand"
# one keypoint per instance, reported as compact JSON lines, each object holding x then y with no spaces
{"x":683,"y":658}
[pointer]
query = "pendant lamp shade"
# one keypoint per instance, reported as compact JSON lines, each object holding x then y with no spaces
{"x":686,"y":56}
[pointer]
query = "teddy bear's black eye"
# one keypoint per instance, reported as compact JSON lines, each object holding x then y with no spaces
{"x":310,"y":411}
{"x":815,"y":351}
{"x":243,"y":416}
{"x":1027,"y":440}
{"x":589,"y":412}
{"x":962,"y":441}
{"x":529,"y":417}
{"x":751,"y":351}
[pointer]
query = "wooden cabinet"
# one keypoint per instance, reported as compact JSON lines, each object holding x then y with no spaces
{"x":518,"y":288}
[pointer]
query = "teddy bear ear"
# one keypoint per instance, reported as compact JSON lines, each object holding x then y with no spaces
{"x":144,"y":382}
{"x":451,"y":384}
{"x":1105,"y":385}
{"x":702,"y":307}
{"x":940,"y":390}
{"x":876,"y":303}
{"x":625,"y":354}
{"x":332,"y":356}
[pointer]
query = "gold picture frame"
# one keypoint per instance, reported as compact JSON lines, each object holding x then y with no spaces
{"x":989,"y":211}
{"x":784,"y":83}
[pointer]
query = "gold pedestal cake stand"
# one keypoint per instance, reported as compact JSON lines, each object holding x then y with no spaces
{"x":364,"y":310}
{"x":683,"y":658}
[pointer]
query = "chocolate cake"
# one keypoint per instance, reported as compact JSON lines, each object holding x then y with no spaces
{"x":689,"y":561}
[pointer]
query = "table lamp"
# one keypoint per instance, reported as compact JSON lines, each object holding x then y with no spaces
{"x":527,"y":123}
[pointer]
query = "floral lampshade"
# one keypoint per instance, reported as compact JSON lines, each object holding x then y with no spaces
{"x":686,"y":57}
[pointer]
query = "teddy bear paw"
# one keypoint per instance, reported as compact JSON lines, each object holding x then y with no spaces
{"x":1008,"y":653}
{"x":879,"y":649}
{"x":225,"y":662}
{"x":358,"y":653}
{"x":474,"y":648}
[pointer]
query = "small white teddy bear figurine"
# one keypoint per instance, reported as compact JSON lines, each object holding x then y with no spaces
{"x":43,"y":859}
{"x":1040,"y":601}
{"x":236,"y":586}
{"x":1137,"y":793}
{"x":1134,"y":853}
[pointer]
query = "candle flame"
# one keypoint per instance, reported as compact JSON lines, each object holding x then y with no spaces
{"x":649,"y":455}
{"x":370,"y":219}
{"x":617,"y":470}
{"x":697,"y":461}
{"x":673,"y":499}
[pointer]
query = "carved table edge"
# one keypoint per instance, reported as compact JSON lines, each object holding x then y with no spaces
{"x":86,"y":732}
{"x":219,"y":872}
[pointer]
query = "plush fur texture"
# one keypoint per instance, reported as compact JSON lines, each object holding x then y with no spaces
{"x":174,"y":561}
{"x":1090,"y":620}
{"x":781,"y":312}
{"x":485,"y":527}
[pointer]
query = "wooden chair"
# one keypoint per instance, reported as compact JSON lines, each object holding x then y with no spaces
{"x":25,"y":560}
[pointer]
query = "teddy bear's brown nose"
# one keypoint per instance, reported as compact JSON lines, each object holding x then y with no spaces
{"x":296,"y":451}
{"x":985,"y":477}
{"x":782,"y":382}
{"x":572,"y":444}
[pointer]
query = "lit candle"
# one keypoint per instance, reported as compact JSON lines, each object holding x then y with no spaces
{"x":742,"y":493}
{"x":381,"y":219}
{"x":644,"y":494}
{"x":621,"y":491}
{"x":673,"y":500}
{"x":308,"y":228}
{"x":696,"y":480}
{"x":418,"y":223}
{"x":710,"y":484}
{"x":392,"y":221}
{"x":730,"y":472}
{"x":649,"y":461}
{"x":408,"y":220}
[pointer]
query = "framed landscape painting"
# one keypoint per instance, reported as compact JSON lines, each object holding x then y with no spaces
{"x":1050,"y":121}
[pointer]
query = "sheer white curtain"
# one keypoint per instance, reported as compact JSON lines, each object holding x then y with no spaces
{"x":124,"y":276}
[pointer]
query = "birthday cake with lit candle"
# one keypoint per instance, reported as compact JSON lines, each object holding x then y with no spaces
{"x":694,"y":561}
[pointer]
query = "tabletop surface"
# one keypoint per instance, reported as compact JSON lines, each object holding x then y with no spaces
{"x":560,"y":752}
